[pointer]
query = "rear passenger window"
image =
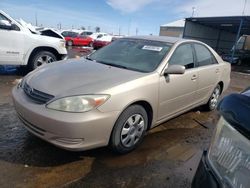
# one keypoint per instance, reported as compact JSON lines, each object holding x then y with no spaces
{"x":183,"y":55}
{"x":204,"y":56}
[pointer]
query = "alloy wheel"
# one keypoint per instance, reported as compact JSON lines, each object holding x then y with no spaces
{"x":43,"y":59}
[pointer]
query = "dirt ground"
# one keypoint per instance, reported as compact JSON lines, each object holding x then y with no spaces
{"x":168,"y":156}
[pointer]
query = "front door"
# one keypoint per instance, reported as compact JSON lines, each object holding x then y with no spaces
{"x":11,"y":45}
{"x":178,"y":92}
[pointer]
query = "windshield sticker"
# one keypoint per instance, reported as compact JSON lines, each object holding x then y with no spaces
{"x":152,"y":48}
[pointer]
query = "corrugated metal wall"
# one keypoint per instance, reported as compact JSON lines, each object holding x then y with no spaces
{"x":220,"y":40}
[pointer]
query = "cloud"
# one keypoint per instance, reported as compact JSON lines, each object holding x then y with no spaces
{"x":214,"y":8}
{"x":129,"y":6}
{"x":184,"y":8}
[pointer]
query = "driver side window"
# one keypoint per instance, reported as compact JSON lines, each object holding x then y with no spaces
{"x":6,"y":24}
{"x":3,"y":22}
{"x":183,"y":55}
{"x":2,"y":17}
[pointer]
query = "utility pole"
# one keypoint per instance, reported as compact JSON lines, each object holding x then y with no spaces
{"x":36,"y":19}
{"x":129,"y":23}
{"x":244,"y":8}
{"x":136,"y":31}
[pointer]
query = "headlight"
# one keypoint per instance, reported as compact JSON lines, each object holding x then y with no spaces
{"x":63,"y":43}
{"x":78,"y":103}
{"x":229,"y":156}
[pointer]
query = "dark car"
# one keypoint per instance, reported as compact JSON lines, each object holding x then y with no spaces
{"x":227,"y":163}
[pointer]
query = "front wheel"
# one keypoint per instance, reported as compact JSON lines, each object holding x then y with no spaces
{"x":129,"y":129}
{"x":70,"y":43}
{"x":214,"y":99}
{"x":41,"y":58}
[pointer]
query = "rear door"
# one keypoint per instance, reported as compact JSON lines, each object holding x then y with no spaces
{"x":208,"y":71}
{"x":177,"y":93}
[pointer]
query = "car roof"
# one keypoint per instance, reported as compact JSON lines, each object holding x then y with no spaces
{"x":159,"y":38}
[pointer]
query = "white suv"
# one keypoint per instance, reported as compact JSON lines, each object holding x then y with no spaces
{"x":20,"y":45}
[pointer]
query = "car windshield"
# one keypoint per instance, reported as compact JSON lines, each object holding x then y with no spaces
{"x":69,"y":34}
{"x":133,"y":54}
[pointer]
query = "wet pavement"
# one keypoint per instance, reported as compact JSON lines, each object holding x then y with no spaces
{"x":168,"y":156}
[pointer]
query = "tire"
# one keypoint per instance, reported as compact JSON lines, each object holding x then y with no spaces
{"x":70,"y":43}
{"x":214,"y":99}
{"x":129,"y":129}
{"x":41,"y":58}
{"x":90,"y":44}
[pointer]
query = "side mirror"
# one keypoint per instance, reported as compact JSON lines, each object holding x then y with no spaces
{"x":174,"y":69}
{"x":4,"y":24}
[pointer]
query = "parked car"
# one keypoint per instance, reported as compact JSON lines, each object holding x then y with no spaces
{"x":242,"y":51}
{"x":102,"y":41}
{"x":119,"y":92}
{"x":227,"y":163}
{"x":23,"y":45}
{"x":73,"y":38}
{"x":98,"y":35}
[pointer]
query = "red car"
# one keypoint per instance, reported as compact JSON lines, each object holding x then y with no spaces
{"x":102,"y":41}
{"x":73,"y":38}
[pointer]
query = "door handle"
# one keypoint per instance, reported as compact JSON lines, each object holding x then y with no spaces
{"x":217,"y":70}
{"x":194,"y":77}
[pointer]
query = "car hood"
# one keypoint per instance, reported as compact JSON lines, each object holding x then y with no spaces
{"x":73,"y":77}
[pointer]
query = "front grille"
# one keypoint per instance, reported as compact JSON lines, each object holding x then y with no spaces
{"x":35,"y":95}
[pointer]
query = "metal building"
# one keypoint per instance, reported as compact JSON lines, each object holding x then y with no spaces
{"x":221,"y":33}
{"x":173,"y":29}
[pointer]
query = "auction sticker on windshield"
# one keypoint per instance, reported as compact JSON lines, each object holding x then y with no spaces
{"x":152,"y":48}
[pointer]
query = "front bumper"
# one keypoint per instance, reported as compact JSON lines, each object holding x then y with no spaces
{"x":71,"y":131}
{"x":100,"y":44}
{"x":64,"y":57}
{"x":205,"y":176}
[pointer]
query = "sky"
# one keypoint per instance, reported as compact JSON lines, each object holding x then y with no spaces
{"x":128,"y":17}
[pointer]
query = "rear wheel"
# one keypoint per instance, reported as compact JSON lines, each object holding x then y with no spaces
{"x":91,"y":44}
{"x":129,"y":129}
{"x":41,"y":58}
{"x":70,"y":43}
{"x":214,"y":99}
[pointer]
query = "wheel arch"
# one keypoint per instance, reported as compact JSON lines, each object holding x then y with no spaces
{"x":221,"y":84}
{"x":148,"y":108}
{"x":43,"y":48}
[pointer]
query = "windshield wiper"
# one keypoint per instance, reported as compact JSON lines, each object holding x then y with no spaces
{"x":113,"y":65}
